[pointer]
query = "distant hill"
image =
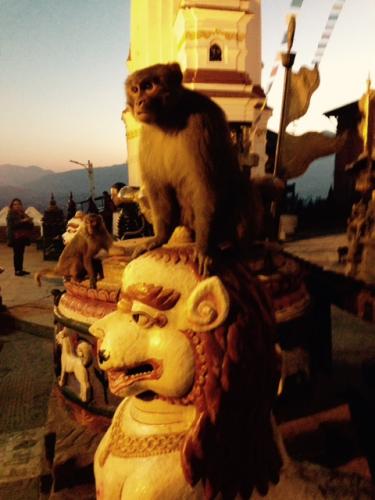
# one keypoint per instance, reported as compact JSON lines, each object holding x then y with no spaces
{"x":34,"y":185}
{"x":77,"y":180}
{"x":14,"y":175}
{"x":315,"y":183}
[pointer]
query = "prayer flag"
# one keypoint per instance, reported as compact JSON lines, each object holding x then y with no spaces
{"x":302,"y":86}
{"x":296,"y":3}
{"x":299,"y":151}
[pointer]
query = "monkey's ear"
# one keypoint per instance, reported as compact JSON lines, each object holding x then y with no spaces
{"x":128,"y":85}
{"x":174,"y":75}
{"x":208,"y":305}
{"x":128,"y":82}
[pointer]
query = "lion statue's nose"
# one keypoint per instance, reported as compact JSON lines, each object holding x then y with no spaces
{"x":102,"y":356}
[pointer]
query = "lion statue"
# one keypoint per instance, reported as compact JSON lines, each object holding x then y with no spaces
{"x":195,"y":361}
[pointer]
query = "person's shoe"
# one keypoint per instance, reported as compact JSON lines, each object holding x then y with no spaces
{"x":18,"y":273}
{"x":24,"y":273}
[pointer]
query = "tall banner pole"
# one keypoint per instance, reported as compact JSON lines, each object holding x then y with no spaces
{"x":287,"y":59}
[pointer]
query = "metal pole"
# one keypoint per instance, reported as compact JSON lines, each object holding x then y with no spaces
{"x":90,"y":171}
{"x":287,"y":59}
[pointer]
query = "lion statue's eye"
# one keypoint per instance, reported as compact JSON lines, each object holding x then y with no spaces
{"x":142,"y":319}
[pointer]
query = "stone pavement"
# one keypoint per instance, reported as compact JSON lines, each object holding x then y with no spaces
{"x":29,"y":306}
{"x":321,"y":250}
{"x":27,"y":381}
{"x":26,"y":376}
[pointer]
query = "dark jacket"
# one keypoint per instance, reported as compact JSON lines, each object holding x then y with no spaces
{"x":16,"y":226}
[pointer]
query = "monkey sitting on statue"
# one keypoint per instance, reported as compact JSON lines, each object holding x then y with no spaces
{"x":78,"y":256}
{"x":189,"y":167}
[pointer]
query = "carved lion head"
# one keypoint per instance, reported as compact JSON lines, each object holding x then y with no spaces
{"x":206,"y":342}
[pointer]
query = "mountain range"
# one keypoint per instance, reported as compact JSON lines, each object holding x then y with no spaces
{"x":34,"y":185}
{"x":317,"y":180}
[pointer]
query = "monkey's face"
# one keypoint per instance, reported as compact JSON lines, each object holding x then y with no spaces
{"x":93,"y":223}
{"x":150,"y":91}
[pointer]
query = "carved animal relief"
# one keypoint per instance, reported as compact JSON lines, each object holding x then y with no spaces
{"x":75,"y":361}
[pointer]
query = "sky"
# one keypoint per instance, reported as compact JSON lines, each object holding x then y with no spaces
{"x":347,"y":61}
{"x":62,"y":71}
{"x":63,"y":65}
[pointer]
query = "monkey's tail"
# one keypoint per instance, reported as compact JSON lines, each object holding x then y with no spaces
{"x":50,"y":272}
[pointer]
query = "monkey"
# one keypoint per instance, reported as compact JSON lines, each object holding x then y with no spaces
{"x":189,"y":167}
{"x":77,"y":258}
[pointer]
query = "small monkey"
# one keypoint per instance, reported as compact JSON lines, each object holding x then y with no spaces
{"x":189,"y":167}
{"x":77,"y":258}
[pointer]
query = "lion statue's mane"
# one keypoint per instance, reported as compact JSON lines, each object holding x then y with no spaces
{"x":231,"y":446}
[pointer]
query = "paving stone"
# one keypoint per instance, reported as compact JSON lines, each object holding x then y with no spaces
{"x":29,"y":307}
{"x":25,"y":385}
{"x":21,"y":455}
{"x":21,"y":490}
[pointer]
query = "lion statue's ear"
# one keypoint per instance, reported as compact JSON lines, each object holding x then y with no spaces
{"x":208,"y":305}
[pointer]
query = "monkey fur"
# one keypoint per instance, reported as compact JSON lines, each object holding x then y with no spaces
{"x":189,"y":166}
{"x":77,"y":258}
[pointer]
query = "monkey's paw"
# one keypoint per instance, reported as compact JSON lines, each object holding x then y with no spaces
{"x":204,"y":263}
{"x":146,"y":247}
{"x":93,"y":283}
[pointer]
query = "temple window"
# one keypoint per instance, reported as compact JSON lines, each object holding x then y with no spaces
{"x":215,"y":52}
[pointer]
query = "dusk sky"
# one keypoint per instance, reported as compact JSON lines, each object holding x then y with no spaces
{"x":63,"y":68}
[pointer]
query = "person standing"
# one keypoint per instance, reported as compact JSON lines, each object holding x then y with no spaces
{"x":19,"y":229}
